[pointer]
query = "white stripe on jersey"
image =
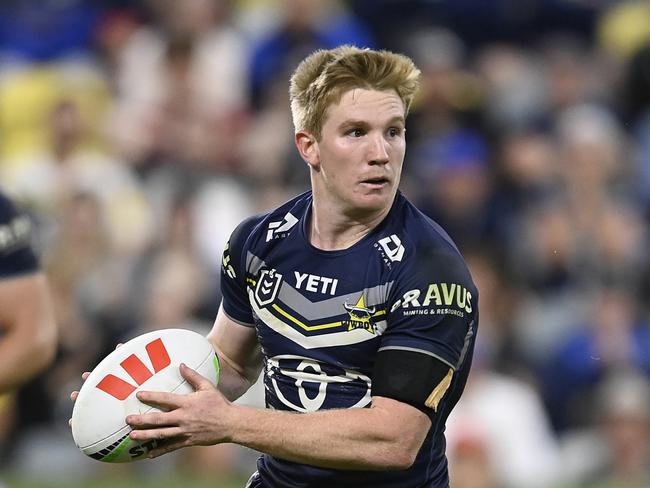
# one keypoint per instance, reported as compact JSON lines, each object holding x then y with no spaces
{"x":344,"y":338}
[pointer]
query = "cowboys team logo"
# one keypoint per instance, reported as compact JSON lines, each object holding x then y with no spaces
{"x":360,"y":316}
{"x":267,"y":287}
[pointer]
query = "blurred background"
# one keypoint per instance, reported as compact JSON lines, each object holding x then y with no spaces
{"x":138,"y":134}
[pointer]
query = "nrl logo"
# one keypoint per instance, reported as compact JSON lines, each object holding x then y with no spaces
{"x":360,"y":316}
{"x":267,"y":287}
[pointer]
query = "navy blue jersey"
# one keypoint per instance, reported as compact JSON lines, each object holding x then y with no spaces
{"x":321,"y":318}
{"x":16,"y":255}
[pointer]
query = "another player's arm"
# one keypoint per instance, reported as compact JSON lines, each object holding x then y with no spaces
{"x":27,"y":327}
{"x":239,"y":355}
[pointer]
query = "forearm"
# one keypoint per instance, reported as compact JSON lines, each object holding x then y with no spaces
{"x":354,"y":439}
{"x":239,"y":355}
{"x":386,"y":436}
{"x":19,"y":361}
{"x":28,"y":343}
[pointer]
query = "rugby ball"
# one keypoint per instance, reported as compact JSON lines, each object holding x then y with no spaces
{"x":149,"y":362}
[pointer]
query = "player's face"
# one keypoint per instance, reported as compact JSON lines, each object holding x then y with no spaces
{"x":361,"y":150}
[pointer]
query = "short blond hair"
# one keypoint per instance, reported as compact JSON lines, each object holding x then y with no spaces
{"x":322,"y":78}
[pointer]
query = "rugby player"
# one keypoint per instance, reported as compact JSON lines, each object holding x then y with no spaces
{"x":28,"y":332}
{"x":358,"y":308}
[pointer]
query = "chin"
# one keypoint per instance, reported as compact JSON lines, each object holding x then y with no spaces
{"x":374,"y":202}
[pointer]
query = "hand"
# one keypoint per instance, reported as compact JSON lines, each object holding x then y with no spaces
{"x":196,"y":419}
{"x":75,"y":393}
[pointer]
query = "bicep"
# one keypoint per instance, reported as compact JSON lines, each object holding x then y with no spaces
{"x":236,"y":345}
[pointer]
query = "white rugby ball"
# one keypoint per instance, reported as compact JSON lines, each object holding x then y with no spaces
{"x":149,"y":362}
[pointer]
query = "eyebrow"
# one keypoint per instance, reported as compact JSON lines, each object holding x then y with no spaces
{"x":363,"y":123}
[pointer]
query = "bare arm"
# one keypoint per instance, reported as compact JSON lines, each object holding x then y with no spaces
{"x":29,"y":334}
{"x":239,"y":355}
{"x":386,"y":436}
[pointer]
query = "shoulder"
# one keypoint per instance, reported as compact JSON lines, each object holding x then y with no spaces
{"x":427,"y":248}
{"x":275,"y":224}
{"x":16,"y":254}
{"x":7,"y":209}
{"x":15,"y":226}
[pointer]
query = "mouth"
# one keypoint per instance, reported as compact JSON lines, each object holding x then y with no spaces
{"x":378,"y":182}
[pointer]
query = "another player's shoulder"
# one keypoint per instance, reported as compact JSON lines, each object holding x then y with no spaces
{"x":15,"y":227}
{"x":272,"y":225}
{"x":16,"y":254}
{"x":7,"y":209}
{"x":427,"y":246}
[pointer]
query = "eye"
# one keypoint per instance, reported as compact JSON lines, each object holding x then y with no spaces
{"x":395,"y":131}
{"x":356,"y":132}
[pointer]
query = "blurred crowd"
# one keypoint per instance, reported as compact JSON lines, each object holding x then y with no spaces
{"x":138,"y":134}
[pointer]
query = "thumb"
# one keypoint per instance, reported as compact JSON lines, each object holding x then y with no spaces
{"x":197,"y":381}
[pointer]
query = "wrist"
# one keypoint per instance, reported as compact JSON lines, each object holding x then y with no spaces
{"x":231,"y":415}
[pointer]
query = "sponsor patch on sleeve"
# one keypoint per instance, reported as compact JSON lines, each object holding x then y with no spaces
{"x":436,"y":299}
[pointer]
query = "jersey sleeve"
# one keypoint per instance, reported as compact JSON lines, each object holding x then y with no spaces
{"x":16,"y":254}
{"x":233,"y":275}
{"x":433,"y":306}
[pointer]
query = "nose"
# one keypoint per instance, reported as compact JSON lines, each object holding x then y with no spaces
{"x":378,"y":150}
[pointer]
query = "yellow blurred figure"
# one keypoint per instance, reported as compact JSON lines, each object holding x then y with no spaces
{"x":625,"y":28}
{"x":27,"y":98}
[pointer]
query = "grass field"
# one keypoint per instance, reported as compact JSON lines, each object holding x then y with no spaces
{"x":53,"y":461}
{"x":127,"y":482}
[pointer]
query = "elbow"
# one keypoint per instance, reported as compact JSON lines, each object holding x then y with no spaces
{"x":39,"y":328}
{"x":399,"y":443}
{"x":48,"y":351}
{"x":408,"y":457}
{"x":44,"y":344}
{"x":400,"y":453}
{"x":401,"y":459}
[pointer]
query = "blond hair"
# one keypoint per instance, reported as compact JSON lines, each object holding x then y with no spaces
{"x":322,"y":78}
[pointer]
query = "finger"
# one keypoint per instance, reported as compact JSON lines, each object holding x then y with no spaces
{"x":160,"y":399}
{"x":151,"y":420}
{"x":69,"y":422}
{"x":160,"y":434}
{"x":195,"y":379}
{"x":75,"y":393}
{"x":168,"y":446}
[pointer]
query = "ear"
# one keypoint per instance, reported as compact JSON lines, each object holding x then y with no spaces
{"x":308,"y":148}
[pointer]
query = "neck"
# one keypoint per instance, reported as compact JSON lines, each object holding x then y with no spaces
{"x":331,"y":229}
